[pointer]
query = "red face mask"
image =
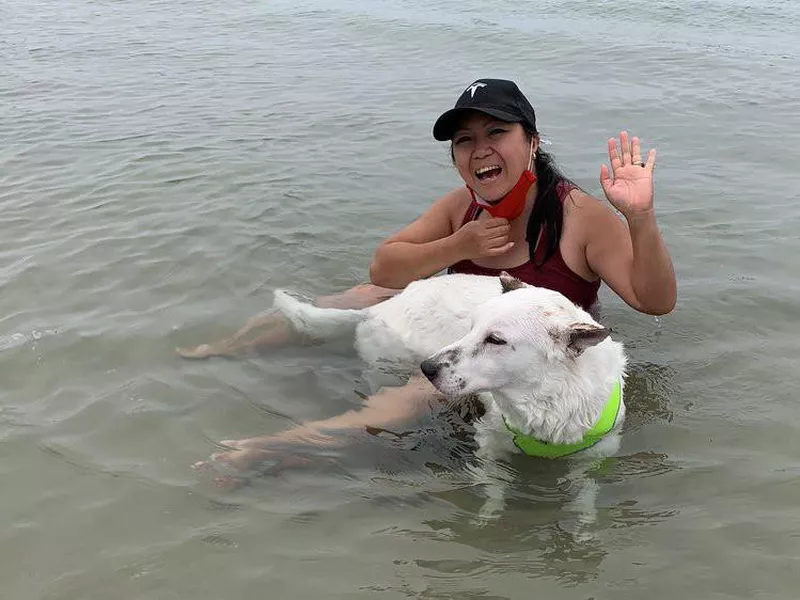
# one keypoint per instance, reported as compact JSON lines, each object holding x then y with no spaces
{"x":512,"y":204}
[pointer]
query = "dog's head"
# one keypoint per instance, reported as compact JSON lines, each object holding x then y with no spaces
{"x":516,"y":339}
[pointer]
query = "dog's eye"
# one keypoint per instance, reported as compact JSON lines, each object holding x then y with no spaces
{"x":494,"y":339}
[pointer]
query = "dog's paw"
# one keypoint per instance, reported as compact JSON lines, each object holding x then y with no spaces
{"x":490,"y":512}
{"x":583,"y":510}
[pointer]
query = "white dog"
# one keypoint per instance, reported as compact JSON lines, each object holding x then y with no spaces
{"x":549,"y":375}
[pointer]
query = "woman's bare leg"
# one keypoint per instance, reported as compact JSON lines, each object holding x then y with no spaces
{"x":272,"y":330}
{"x":276,"y":331}
{"x":390,"y":407}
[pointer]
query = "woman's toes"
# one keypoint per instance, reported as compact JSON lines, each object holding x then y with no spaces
{"x":239,"y":462}
{"x":235,"y":444}
{"x":253,"y":443}
{"x":229,"y":483}
{"x":199,"y":352}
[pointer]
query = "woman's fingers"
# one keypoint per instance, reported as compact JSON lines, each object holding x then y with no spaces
{"x":498,"y":232}
{"x":624,"y":142}
{"x":628,"y":152}
{"x":606,"y":181}
{"x":636,"y":151}
{"x":605,"y":176}
{"x":494,"y":243}
{"x":501,"y":250}
{"x":651,"y":160}
{"x":497,"y":222}
{"x":613,"y":155}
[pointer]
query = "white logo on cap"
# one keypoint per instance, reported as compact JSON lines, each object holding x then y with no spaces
{"x":475,"y":87}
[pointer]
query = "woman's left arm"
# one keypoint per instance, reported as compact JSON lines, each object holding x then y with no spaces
{"x":633,"y":261}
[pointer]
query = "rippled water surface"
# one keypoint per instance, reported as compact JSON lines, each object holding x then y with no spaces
{"x":166,"y":165}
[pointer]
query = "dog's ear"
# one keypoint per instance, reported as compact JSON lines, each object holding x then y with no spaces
{"x":581,"y":336}
{"x":509,"y":282}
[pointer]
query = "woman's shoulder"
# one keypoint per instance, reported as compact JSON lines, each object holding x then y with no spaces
{"x":455,"y":203}
{"x":582,"y":204}
{"x":588,"y":216}
{"x":457,"y":198}
{"x":450,"y":205}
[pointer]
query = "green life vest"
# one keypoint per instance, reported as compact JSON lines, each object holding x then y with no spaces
{"x":533,"y":447}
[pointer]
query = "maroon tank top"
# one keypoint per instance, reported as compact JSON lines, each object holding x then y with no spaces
{"x":553,"y":274}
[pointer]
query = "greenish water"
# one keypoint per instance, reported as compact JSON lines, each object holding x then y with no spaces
{"x":166,"y":165}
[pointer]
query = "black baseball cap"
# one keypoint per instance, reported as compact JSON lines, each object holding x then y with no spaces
{"x":498,"y":98}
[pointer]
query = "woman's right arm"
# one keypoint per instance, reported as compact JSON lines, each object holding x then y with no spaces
{"x":431,"y":244}
{"x":419,"y":250}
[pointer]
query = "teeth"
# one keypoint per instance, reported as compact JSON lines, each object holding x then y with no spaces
{"x":483,"y":170}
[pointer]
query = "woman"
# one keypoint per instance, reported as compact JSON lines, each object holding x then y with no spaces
{"x":516,"y":213}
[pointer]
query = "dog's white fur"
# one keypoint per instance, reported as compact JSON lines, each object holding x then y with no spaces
{"x":537,"y":360}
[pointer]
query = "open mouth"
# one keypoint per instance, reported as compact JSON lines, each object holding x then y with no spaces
{"x":488,"y":173}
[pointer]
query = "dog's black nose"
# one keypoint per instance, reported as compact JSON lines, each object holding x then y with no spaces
{"x":429,"y":368}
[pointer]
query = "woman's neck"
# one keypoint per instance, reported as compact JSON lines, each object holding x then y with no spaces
{"x":519,"y":226}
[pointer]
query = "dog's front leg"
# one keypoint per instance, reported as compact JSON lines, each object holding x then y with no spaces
{"x":494,"y":480}
{"x":494,"y":443}
{"x":584,"y":504}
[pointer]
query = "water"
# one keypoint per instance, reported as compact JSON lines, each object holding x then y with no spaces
{"x":166,"y":165}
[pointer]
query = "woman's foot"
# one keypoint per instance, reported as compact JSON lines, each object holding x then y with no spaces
{"x":244,"y":459}
{"x":204,"y":351}
{"x":276,"y":331}
{"x":238,"y":464}
{"x":279,"y":333}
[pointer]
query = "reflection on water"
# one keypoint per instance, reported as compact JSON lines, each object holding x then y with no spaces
{"x":650,"y":390}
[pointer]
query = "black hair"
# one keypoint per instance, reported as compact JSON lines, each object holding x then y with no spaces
{"x":548,"y":211}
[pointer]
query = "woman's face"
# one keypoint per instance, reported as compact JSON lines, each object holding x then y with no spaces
{"x":491,"y":155}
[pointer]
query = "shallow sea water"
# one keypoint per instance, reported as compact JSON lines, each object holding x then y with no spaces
{"x":165,"y":166}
